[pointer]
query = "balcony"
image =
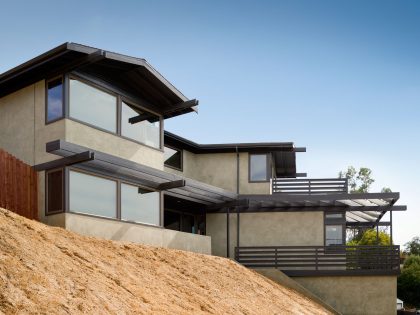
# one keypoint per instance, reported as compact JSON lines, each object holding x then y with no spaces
{"x":335,"y":260}
{"x":309,"y":186}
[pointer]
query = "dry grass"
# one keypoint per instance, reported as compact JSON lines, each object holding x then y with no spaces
{"x":53,"y":271}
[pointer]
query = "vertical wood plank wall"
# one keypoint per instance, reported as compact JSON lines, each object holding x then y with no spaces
{"x":18,"y":186}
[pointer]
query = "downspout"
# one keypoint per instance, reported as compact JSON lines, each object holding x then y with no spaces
{"x":237,"y":191}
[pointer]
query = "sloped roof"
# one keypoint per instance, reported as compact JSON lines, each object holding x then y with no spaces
{"x":134,"y":76}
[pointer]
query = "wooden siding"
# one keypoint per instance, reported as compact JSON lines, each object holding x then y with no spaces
{"x":18,"y":186}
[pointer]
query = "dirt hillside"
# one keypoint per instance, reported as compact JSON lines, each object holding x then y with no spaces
{"x":52,"y":271}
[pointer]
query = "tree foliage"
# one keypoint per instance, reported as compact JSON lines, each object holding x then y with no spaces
{"x":359,"y":181}
{"x":368,"y":237}
{"x":413,"y":247}
{"x":408,"y":285}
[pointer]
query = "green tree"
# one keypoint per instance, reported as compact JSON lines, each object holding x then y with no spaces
{"x":413,"y":247}
{"x":408,"y":284}
{"x":369,"y":238}
{"x":359,"y":181}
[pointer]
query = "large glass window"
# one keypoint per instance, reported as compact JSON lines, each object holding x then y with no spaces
{"x":55,"y":109}
{"x":173,"y":158}
{"x":139,"y":205}
{"x":92,"y":195}
{"x":55,"y":198}
{"x":93,"y":106}
{"x":333,"y":235}
{"x":258,"y":167}
{"x":146,"y":131}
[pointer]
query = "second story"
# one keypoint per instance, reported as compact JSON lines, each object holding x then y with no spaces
{"x":244,"y":168}
{"x":90,"y":97}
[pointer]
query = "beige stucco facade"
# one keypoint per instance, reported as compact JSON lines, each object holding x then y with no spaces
{"x":265,"y":229}
{"x":281,"y":278}
{"x":130,"y":232}
{"x":355,"y":295}
{"x":23,"y":133}
{"x":220,"y":169}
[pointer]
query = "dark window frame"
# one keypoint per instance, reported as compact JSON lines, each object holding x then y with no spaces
{"x":118,"y":199}
{"x":63,"y":191}
{"x":63,"y":99}
{"x":268,"y":168}
{"x":120,"y":98}
{"x":120,"y":182}
{"x":182,"y":158}
{"x":335,"y":221}
{"x":133,"y":104}
{"x":102,"y":89}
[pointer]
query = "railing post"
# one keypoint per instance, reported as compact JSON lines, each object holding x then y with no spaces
{"x":309,"y":186}
{"x":275,"y":258}
{"x":316,"y":258}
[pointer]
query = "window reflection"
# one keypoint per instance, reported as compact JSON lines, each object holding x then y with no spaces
{"x":92,"y":195}
{"x":146,"y":131}
{"x":93,"y":106}
{"x":55,"y":99}
{"x":258,"y":167}
{"x":139,"y":205}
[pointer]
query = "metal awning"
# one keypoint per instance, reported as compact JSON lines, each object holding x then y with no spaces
{"x":102,"y":163}
{"x":361,"y":208}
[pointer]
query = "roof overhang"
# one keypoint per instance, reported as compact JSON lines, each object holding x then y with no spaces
{"x":109,"y":165}
{"x":134,"y":77}
{"x":179,"y":142}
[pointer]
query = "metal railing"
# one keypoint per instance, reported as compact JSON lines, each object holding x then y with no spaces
{"x":309,"y":186}
{"x":363,"y":259}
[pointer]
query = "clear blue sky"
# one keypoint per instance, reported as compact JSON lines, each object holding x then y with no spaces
{"x":339,"y":77}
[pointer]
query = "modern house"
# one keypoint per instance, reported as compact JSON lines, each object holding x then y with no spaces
{"x":91,"y":122}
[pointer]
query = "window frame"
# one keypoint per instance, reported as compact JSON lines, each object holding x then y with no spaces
{"x":120,"y":98}
{"x":182,"y":158}
{"x":63,"y":191}
{"x":63,"y":99}
{"x":95,"y":86}
{"x":118,"y":200}
{"x":120,"y":182}
{"x":335,"y":221}
{"x":119,"y":126}
{"x":268,"y":168}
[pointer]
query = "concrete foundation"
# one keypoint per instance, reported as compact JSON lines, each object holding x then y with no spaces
{"x":130,"y":232}
{"x":355,"y":295}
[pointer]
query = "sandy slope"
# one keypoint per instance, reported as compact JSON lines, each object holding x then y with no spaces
{"x":50,"y":270}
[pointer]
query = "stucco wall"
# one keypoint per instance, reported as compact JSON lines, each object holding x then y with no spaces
{"x":112,"y":144}
{"x":219,"y":169}
{"x":17,"y":115}
{"x":355,"y":295}
{"x":23,"y":132}
{"x":131,"y":232}
{"x":266,"y":229}
{"x":279,"y":277}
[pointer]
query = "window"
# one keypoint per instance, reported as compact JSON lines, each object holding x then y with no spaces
{"x":258,"y":167}
{"x":335,"y":227}
{"x":140,"y":205}
{"x":55,"y":194}
{"x":173,"y":157}
{"x":333,"y":235}
{"x":146,"y":131}
{"x":334,"y":215}
{"x":93,"y":106}
{"x":92,"y":195}
{"x":55,"y":109}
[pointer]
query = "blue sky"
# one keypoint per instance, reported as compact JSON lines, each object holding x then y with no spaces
{"x":339,"y":77}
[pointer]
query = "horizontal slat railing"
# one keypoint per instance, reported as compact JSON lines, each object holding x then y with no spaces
{"x":309,"y":186}
{"x":321,"y":258}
